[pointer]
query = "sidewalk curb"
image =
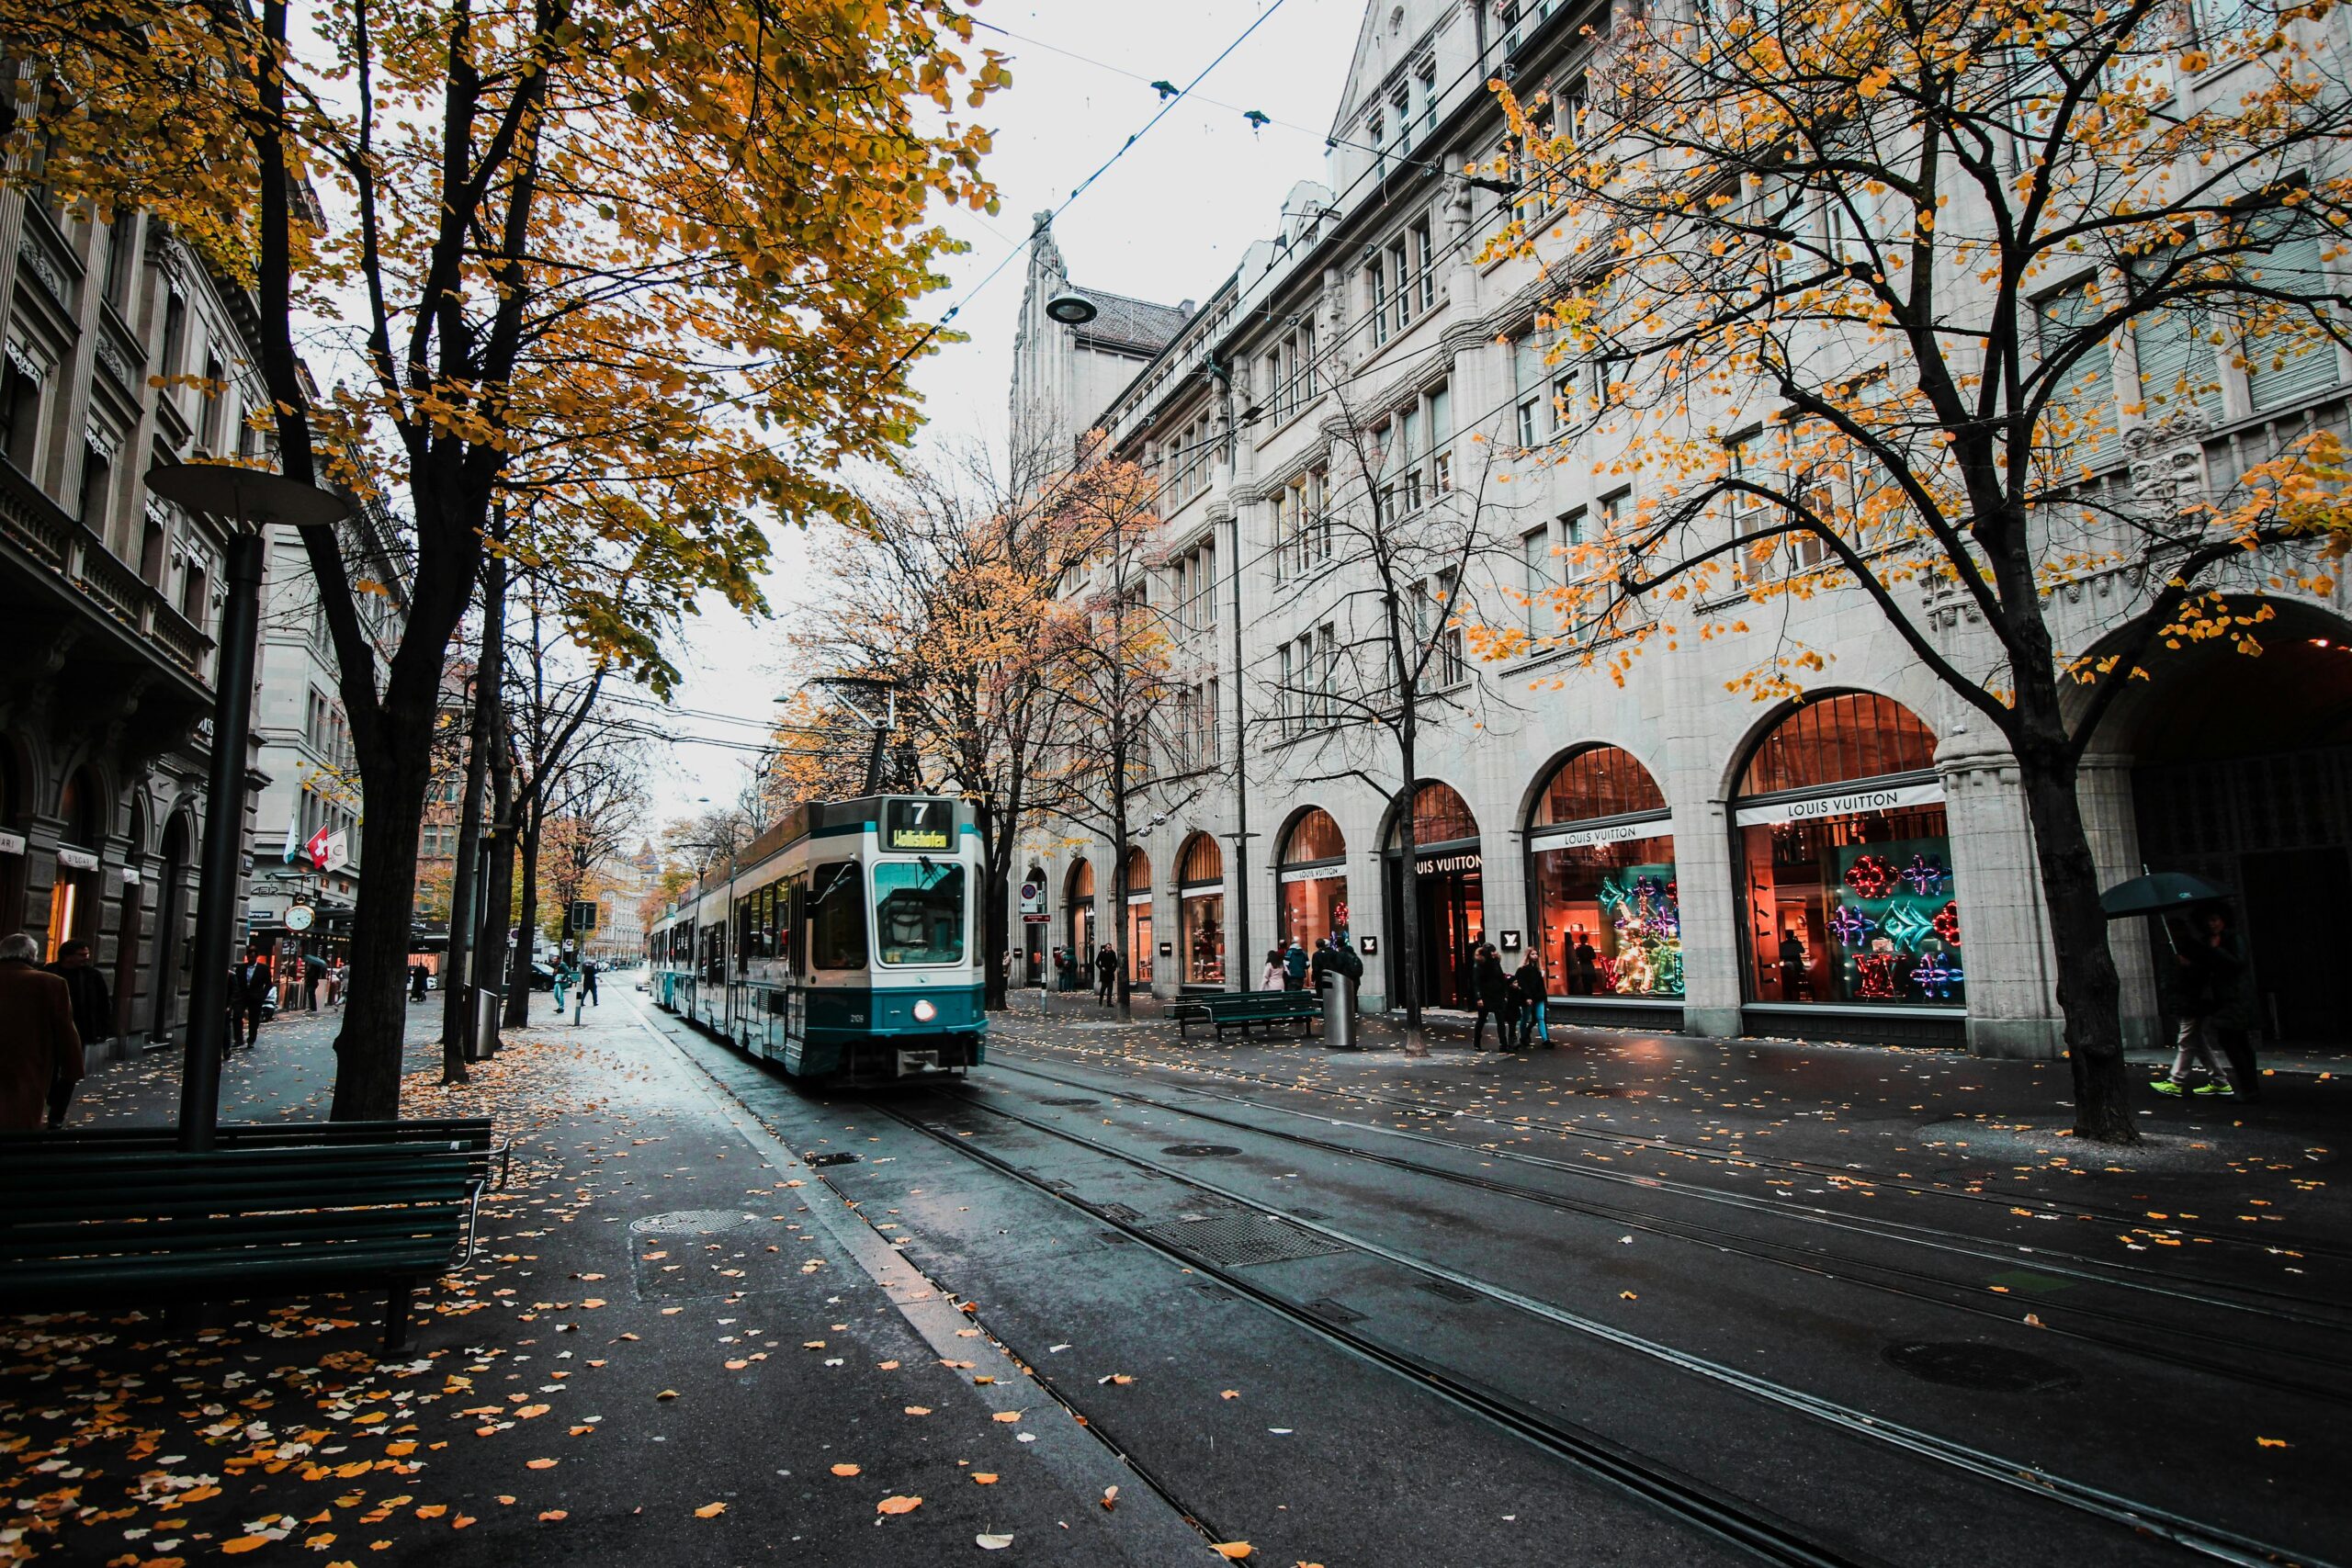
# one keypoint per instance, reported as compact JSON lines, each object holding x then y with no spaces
{"x":1077,"y":1456}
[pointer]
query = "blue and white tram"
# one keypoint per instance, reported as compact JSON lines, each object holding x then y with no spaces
{"x":843,"y":944}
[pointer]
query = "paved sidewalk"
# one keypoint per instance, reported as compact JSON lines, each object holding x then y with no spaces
{"x":669,"y":1349}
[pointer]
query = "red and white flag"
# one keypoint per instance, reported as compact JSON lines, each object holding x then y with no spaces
{"x":317,"y":850}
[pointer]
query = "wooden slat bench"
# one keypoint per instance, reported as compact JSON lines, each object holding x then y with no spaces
{"x":472,"y":1135}
{"x":92,"y":1225}
{"x":1244,"y":1011}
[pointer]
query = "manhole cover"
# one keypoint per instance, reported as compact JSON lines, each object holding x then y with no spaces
{"x":1073,"y":1104}
{"x":1239,"y":1240}
{"x":689,"y":1221}
{"x":1200,"y":1151}
{"x":1988,"y":1368}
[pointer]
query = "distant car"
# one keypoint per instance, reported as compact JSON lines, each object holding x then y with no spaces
{"x":542,"y":976}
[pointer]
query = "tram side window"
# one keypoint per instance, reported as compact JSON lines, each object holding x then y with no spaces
{"x":791,"y":907}
{"x":837,"y":916}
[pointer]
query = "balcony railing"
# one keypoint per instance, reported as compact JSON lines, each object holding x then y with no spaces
{"x":39,"y":527}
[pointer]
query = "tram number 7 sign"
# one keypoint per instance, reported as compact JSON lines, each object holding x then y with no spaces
{"x":918,"y":825}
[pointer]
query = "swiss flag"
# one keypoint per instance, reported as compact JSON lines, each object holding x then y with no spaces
{"x":316,"y":850}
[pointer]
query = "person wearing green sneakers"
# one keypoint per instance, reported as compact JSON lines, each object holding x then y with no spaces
{"x":2207,"y":979}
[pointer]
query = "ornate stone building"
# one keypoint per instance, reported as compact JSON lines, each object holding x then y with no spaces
{"x":1855,"y":867}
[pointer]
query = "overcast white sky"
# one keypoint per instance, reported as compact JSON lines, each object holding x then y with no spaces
{"x":1169,"y":223}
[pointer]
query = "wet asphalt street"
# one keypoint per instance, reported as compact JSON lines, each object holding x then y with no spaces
{"x":1634,"y":1301}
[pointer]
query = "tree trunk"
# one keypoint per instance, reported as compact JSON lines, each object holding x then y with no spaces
{"x":996,"y":874}
{"x":370,"y":1046}
{"x":464,"y":965}
{"x":1409,"y":898}
{"x":498,"y":902}
{"x":2090,"y":996}
{"x":527,"y":924}
{"x":1119,"y":921}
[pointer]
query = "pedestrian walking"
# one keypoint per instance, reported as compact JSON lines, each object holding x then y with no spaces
{"x":588,"y":982}
{"x":1106,"y":974}
{"x":93,"y":1006}
{"x":2207,"y":970}
{"x":1295,"y":966}
{"x":41,"y":1052}
{"x":417,"y":976}
{"x":314,"y":982}
{"x":2232,"y":1021}
{"x":567,"y":979}
{"x":1533,"y":1027}
{"x":1276,"y":974}
{"x":337,"y":978}
{"x":248,"y":996}
{"x":1493,"y":1001}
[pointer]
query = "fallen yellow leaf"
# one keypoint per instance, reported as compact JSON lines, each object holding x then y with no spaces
{"x":1110,"y":1497}
{"x":888,"y":1366}
{"x":845,"y":1470}
{"x":992,"y":1542}
{"x":528,"y":1411}
{"x":667,"y":1393}
{"x":2270,"y":1442}
{"x":710,"y":1510}
{"x":918,"y":1409}
{"x":1231,"y":1550}
{"x":542,"y":1465}
{"x":1006,"y":1416}
{"x":554,"y":1514}
{"x":736,"y":1365}
{"x":1230,"y":1394}
{"x":983,"y":1478}
{"x":897,"y":1505}
{"x":244,"y":1543}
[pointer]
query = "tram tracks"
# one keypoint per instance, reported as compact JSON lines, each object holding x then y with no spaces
{"x":1846,"y":1177}
{"x":1683,"y":1497}
{"x":2169,"y":1342}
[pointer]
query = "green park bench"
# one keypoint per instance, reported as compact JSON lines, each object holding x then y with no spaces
{"x":1244,"y":1011}
{"x":100,"y":1219}
{"x":472,"y":1135}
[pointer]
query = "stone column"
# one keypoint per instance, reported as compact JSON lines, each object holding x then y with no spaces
{"x":2111,"y":818}
{"x":2005,"y":931}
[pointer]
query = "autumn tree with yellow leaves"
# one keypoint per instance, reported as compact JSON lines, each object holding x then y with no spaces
{"x":651,"y":260}
{"x":1876,"y":297}
{"x":954,"y":591}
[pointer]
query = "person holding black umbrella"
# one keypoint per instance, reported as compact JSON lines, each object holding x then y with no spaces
{"x":2207,"y":977}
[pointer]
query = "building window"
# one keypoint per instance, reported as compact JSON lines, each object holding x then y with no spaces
{"x":216,"y":403}
{"x":1848,"y":887}
{"x":1601,"y":880}
{"x":1200,"y":892}
{"x":21,"y":392}
{"x":1535,"y":573}
{"x":1311,"y":877}
{"x":1138,"y":916}
{"x":1196,"y":587}
{"x":97,"y":477}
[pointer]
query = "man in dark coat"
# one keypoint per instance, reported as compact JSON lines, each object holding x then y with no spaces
{"x":248,"y":993}
{"x":93,"y":1005}
{"x":1494,"y":998}
{"x":1106,"y":974}
{"x":40,"y":1054}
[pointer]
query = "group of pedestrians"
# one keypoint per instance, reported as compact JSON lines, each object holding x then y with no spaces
{"x":1292,"y":968}
{"x":573,"y":975}
{"x":1514,"y":1000}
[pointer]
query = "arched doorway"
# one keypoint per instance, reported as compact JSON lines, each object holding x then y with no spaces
{"x":2243,"y":775}
{"x":1199,"y":909}
{"x":1847,"y":892}
{"x":1078,"y":918}
{"x":1311,"y":879}
{"x":74,"y":897}
{"x":15,"y":810}
{"x":1450,"y":870}
{"x":171,"y":916}
{"x":1600,"y":880}
{"x":1138,"y":916}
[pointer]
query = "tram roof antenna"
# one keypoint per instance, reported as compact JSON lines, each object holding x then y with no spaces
{"x":846,"y":689}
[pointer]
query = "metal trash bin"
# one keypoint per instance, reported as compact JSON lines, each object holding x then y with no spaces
{"x":1339,"y":1012}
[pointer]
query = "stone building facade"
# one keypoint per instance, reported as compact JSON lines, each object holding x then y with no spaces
{"x":112,"y":598}
{"x":1858,"y":866}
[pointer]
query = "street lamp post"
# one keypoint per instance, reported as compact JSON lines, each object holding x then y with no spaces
{"x":244,"y":501}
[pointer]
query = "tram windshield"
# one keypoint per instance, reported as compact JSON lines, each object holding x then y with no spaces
{"x":919,"y":911}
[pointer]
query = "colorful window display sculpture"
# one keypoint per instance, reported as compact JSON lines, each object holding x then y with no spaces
{"x":1647,"y":915}
{"x":1896,"y":924}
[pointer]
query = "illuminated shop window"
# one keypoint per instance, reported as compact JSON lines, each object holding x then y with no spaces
{"x":1601,"y":880}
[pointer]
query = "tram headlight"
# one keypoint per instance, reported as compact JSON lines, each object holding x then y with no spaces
{"x":924,"y":1012}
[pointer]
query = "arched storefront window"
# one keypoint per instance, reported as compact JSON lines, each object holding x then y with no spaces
{"x":1311,"y":872}
{"x":1079,"y":925}
{"x":1847,"y":876}
{"x":1449,"y":867}
{"x":1138,"y":916}
{"x":1600,"y":880}
{"x":1200,"y":893}
{"x":74,"y":897}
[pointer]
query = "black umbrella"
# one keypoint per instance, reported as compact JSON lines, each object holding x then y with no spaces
{"x":2157,"y":893}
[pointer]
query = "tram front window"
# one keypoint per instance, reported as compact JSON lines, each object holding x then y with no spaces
{"x":919,"y":911}
{"x":836,"y":918}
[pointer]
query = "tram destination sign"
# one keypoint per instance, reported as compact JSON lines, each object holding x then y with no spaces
{"x":1846,"y":803}
{"x":918,"y":825}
